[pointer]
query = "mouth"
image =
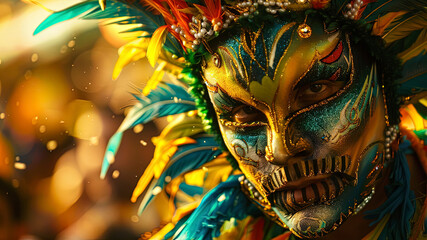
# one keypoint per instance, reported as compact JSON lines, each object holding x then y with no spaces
{"x":308,"y":182}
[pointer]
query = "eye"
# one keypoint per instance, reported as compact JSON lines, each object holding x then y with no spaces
{"x":315,"y":92}
{"x":246,"y":114}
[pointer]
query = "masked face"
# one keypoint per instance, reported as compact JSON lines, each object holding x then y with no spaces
{"x":300,"y":109}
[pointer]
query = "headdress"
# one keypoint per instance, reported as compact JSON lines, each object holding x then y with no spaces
{"x":176,"y":34}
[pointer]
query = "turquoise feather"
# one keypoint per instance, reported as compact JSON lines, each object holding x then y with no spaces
{"x":187,"y":158}
{"x":165,"y":100}
{"x":400,"y":203}
{"x":414,"y":75}
{"x":66,"y":14}
{"x":224,"y":202}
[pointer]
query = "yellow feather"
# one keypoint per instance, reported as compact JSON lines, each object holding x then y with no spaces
{"x":161,"y":234}
{"x":130,"y":52}
{"x":419,"y":46}
{"x":402,"y":28}
{"x":164,"y":151}
{"x":382,"y":23}
{"x":156,"y":44}
{"x":154,"y":79}
{"x":102,"y":4}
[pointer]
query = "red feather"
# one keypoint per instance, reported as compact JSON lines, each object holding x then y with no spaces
{"x":158,"y":7}
{"x":212,"y":11}
{"x":182,"y":18}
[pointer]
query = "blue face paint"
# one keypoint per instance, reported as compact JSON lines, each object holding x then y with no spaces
{"x":304,"y":118}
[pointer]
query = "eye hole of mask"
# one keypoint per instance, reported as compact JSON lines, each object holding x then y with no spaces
{"x":247,"y":114}
{"x":314,"y":92}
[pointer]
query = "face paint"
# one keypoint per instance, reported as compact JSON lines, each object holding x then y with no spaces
{"x":302,"y":112}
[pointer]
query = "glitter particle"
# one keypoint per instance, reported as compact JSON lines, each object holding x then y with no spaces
{"x":138,"y":128}
{"x":51,"y":145}
{"x":134,"y":218}
{"x":20,"y":165}
{"x":71,"y":43}
{"x":42,"y":129}
{"x":2,"y":115}
{"x":144,"y":143}
{"x":116,"y":174}
{"x":34,"y":57}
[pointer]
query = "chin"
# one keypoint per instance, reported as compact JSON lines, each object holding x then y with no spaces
{"x":318,"y":219}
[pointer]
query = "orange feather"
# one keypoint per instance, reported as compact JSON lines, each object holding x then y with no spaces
{"x":158,"y":7}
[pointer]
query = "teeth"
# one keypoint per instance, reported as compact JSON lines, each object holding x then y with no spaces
{"x":307,"y":168}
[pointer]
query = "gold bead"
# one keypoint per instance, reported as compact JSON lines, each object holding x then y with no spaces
{"x":304,"y":31}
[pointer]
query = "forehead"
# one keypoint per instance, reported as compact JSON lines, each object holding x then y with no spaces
{"x":255,"y":63}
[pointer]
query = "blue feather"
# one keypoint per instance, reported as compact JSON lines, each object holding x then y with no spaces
{"x":187,"y":158}
{"x":414,"y":75}
{"x":222,"y":203}
{"x":165,"y":100}
{"x":66,"y":14}
{"x":400,"y":203}
{"x":135,"y":14}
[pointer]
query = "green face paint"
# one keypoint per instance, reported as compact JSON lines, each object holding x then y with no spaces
{"x":300,"y":109}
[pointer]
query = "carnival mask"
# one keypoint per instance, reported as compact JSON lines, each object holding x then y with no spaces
{"x":300,"y":108}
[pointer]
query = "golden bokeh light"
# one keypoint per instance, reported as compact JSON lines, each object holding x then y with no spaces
{"x":66,"y":183}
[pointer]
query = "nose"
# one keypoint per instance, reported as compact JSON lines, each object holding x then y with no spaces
{"x":282,"y":146}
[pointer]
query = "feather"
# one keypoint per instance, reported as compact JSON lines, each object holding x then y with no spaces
{"x":66,"y":14}
{"x":403,"y":26}
{"x":125,"y":12}
{"x":382,"y":23}
{"x":377,"y":9}
{"x":157,"y":6}
{"x":222,"y":203}
{"x":155,"y":78}
{"x":156,"y":44}
{"x":166,"y":100}
{"x":414,"y":74}
{"x":181,"y":18}
{"x":102,"y":4}
{"x":188,"y":157}
{"x":417,"y":48}
{"x":161,"y":157}
{"x":130,"y":52}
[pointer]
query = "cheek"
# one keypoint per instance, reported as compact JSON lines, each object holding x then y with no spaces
{"x":348,"y":125}
{"x":248,"y":148}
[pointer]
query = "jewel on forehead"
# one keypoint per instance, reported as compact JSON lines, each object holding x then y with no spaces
{"x":304,"y":31}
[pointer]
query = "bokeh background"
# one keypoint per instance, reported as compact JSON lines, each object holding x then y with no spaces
{"x":58,"y":108}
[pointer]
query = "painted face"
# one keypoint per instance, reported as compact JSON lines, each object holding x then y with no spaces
{"x":300,"y":109}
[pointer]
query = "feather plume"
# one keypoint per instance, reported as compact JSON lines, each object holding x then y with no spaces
{"x":404,"y":25}
{"x":161,"y":157}
{"x":417,"y":48}
{"x":212,"y":10}
{"x":219,"y":205}
{"x":414,"y":74}
{"x":377,"y":9}
{"x":157,"y":6}
{"x":188,"y":157}
{"x":156,"y":44}
{"x":66,"y":14}
{"x":166,"y":100}
{"x":155,"y":78}
{"x":382,"y":23}
{"x":130,"y":52}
